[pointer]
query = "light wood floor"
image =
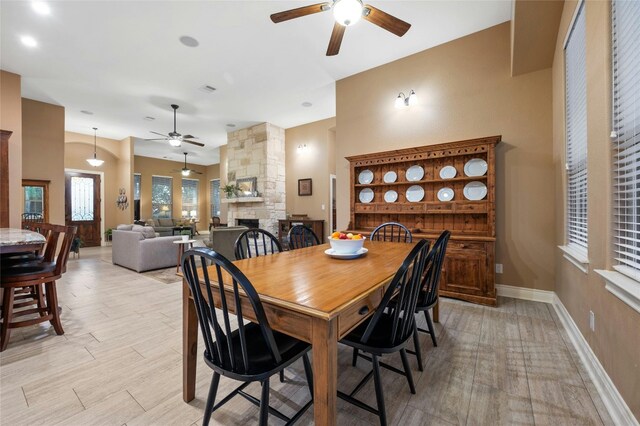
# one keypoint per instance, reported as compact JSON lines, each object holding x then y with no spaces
{"x":119,"y":362}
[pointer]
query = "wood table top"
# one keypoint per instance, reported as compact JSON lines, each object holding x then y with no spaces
{"x":307,"y":280}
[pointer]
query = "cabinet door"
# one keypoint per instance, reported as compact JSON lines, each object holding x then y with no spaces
{"x":465,"y":272}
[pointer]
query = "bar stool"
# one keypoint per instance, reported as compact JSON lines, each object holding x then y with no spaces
{"x":35,"y":274}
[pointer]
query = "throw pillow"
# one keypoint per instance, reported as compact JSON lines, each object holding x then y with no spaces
{"x":151,"y":222}
{"x":148,"y":232}
{"x":124,"y":227}
{"x":139,"y":228}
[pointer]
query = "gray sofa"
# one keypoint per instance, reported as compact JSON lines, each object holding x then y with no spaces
{"x":222,"y":240}
{"x":164,"y":226}
{"x":133,"y":251}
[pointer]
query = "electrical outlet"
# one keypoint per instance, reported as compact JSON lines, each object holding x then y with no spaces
{"x":498,"y":268}
{"x":592,"y":321}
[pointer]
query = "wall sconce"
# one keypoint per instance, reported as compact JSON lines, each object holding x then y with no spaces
{"x":405,"y":101}
{"x":122,"y":201}
{"x":302,"y":147}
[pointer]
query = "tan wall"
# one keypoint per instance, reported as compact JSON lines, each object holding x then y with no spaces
{"x":212,"y":172}
{"x":465,"y":91}
{"x":79,"y":147}
{"x":617,"y":333}
{"x":224,"y":167}
{"x":124,"y":180}
{"x":43,"y":151}
{"x":315,"y":162}
{"x":148,"y":167}
{"x":11,"y":119}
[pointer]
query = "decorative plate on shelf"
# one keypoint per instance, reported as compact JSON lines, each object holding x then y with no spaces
{"x":445,"y":194}
{"x":365,"y":177}
{"x":414,"y":173}
{"x":332,"y":253}
{"x":475,"y":167}
{"x":366,"y":195}
{"x":391,"y":196}
{"x":414,"y":194}
{"x":390,"y":177}
{"x":448,"y":172}
{"x":475,"y":191}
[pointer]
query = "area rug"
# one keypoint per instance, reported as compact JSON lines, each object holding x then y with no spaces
{"x":166,"y":276}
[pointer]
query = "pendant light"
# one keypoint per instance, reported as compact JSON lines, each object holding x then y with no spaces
{"x":94,"y":161}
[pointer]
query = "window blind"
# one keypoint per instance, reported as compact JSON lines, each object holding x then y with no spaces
{"x":626,"y":136}
{"x":161,"y":196}
{"x":137,"y":180}
{"x":215,"y":197}
{"x":190,"y":197}
{"x":576,"y":133}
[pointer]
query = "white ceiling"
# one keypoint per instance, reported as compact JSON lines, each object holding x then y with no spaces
{"x":122,"y":60}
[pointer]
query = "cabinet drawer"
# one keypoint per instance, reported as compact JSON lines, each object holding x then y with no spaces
{"x":471,"y":207}
{"x":387,"y":207}
{"x":439,"y":207}
{"x":365,"y":208}
{"x":357,"y":312}
{"x":413,"y":207}
{"x":466,"y":245}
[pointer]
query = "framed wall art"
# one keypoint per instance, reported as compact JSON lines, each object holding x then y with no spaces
{"x":304,"y":187}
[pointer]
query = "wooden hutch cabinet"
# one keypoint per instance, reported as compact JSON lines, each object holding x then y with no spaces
{"x":430,"y":189}
{"x":317,"y":226}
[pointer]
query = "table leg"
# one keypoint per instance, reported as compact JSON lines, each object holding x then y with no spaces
{"x":180,"y":252}
{"x":436,"y":311}
{"x":189,"y":344}
{"x":324,"y":339}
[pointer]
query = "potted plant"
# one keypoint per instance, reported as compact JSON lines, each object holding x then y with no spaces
{"x":230,"y":190}
{"x":107,"y":234}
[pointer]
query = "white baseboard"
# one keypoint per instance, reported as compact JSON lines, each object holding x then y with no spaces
{"x":618,"y":409}
{"x":525,"y":293}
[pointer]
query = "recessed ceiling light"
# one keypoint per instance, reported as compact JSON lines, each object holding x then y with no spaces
{"x":84,"y":111}
{"x":306,"y":104}
{"x":189,"y":41}
{"x":41,"y":7}
{"x":231,"y":125}
{"x":208,"y":89}
{"x":28,"y":41}
{"x":149,"y":118}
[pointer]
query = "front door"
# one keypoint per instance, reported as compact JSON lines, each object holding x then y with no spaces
{"x":82,"y":206}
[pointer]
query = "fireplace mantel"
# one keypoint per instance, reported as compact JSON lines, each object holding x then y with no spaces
{"x":242,"y":200}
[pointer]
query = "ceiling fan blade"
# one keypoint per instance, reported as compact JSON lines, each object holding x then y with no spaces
{"x":299,"y":12}
{"x":189,"y":137}
{"x":388,"y":22}
{"x":156,"y":133}
{"x":193,"y":171}
{"x":193,"y":142}
{"x":336,"y":39}
{"x":155,"y":139}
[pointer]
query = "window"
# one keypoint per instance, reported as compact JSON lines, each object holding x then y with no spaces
{"x":189,"y":197}
{"x":626,"y":137}
{"x":137,"y":181}
{"x":35,"y":194}
{"x":161,"y":196}
{"x":82,"y":205}
{"x":576,"y":135}
{"x":215,"y":197}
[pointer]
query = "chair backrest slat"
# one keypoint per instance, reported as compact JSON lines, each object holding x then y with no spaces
{"x":301,"y":236}
{"x":405,"y":287}
{"x":246,"y":245}
{"x":233,"y":283}
{"x":433,"y":270}
{"x":393,"y":232}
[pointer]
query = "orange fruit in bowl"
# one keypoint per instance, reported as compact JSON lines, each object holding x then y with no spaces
{"x":335,"y":235}
{"x":357,"y":237}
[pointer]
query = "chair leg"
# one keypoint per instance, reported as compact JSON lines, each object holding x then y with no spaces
{"x":432,"y":330}
{"x":264,"y":403}
{"x":407,"y":370}
{"x":211,"y":399}
{"x":382,"y":413}
{"x":40,"y":295}
{"x":416,"y":344}
{"x":354,"y":361}
{"x":281,"y":376}
{"x":52,"y":302}
{"x":308,"y":372}
{"x":7,"y":314}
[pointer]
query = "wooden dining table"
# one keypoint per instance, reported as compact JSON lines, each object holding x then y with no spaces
{"x":15,"y":240}
{"x":313,"y":297}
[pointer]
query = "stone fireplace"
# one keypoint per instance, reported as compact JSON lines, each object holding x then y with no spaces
{"x":258,"y":152}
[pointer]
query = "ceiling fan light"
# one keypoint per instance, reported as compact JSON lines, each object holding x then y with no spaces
{"x":175,"y":142}
{"x":186,"y":172}
{"x":347,"y":12}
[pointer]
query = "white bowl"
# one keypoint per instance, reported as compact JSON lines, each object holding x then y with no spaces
{"x":346,"y":246}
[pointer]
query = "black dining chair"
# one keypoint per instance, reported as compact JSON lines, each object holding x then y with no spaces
{"x":389,"y":329}
{"x":252,"y":352}
{"x":429,"y":291}
{"x":256,"y":242}
{"x":393,"y":232}
{"x":300,"y":237}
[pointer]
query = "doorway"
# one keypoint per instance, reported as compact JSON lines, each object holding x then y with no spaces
{"x":332,"y":203}
{"x":82,"y":206}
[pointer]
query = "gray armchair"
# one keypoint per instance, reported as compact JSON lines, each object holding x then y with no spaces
{"x":222,"y":240}
{"x":131,"y":250}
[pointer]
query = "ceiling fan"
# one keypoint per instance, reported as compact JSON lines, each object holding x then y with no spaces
{"x":175,"y":138}
{"x":185,"y":170}
{"x":346,"y":13}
